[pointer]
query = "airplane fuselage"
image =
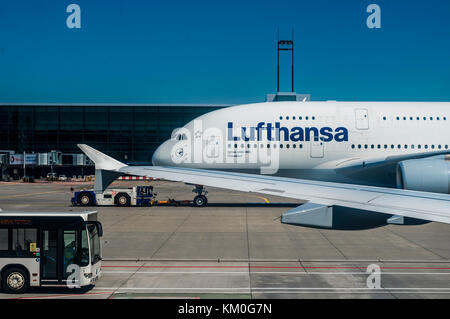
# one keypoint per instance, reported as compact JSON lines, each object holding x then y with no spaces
{"x":329,"y":141}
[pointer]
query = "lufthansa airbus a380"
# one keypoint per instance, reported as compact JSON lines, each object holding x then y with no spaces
{"x":386,"y":158}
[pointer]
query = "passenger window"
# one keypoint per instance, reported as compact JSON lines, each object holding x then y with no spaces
{"x":22,"y":238}
{"x":3,"y":239}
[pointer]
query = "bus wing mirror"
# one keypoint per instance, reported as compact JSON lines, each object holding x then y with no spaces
{"x":99,"y":227}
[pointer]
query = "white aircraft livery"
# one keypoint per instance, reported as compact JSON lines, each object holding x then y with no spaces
{"x":345,"y":159}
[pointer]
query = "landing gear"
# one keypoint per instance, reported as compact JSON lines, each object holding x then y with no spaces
{"x":200,"y":200}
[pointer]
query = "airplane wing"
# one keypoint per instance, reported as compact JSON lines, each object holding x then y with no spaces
{"x":322,"y":195}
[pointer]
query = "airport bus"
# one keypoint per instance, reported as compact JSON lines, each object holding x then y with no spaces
{"x":49,"y":249}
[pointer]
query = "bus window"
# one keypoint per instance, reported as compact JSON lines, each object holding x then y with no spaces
{"x":22,"y":240}
{"x":84,"y":249}
{"x":3,"y":240}
{"x":69,"y":249}
{"x":95,"y":244}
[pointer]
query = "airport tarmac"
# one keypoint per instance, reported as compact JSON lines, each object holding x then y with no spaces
{"x":237,"y":248}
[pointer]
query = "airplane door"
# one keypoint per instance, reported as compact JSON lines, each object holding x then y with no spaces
{"x":212,"y":146}
{"x":362,"y":119}
{"x":317,"y":147}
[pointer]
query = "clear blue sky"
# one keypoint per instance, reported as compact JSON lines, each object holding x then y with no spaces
{"x":221,"y":51}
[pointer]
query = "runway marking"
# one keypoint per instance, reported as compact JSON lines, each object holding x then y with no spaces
{"x":268,"y":272}
{"x":254,"y":196}
{"x":281,"y":288}
{"x":274,"y":267}
{"x":30,"y":194}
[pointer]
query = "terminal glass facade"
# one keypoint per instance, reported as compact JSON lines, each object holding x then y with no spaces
{"x":129,"y":133}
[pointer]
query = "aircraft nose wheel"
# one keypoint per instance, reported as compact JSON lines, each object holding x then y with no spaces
{"x":200,"y":201}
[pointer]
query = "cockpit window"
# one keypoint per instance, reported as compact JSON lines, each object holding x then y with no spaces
{"x":181,"y":137}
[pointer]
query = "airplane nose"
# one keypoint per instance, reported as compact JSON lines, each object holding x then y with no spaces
{"x":156,"y":158}
{"x":161,"y":156}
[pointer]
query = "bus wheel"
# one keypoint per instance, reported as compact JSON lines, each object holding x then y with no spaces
{"x":15,"y":281}
{"x":200,"y":201}
{"x":85,"y":199}
{"x":123,"y":199}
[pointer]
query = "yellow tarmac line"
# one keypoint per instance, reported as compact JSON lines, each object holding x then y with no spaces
{"x":30,"y":194}
{"x":254,"y":196}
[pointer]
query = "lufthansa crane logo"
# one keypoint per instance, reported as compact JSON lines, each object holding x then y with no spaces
{"x":179,"y":152}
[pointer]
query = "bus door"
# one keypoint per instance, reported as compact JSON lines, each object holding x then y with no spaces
{"x":58,"y":250}
{"x":50,"y":256}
